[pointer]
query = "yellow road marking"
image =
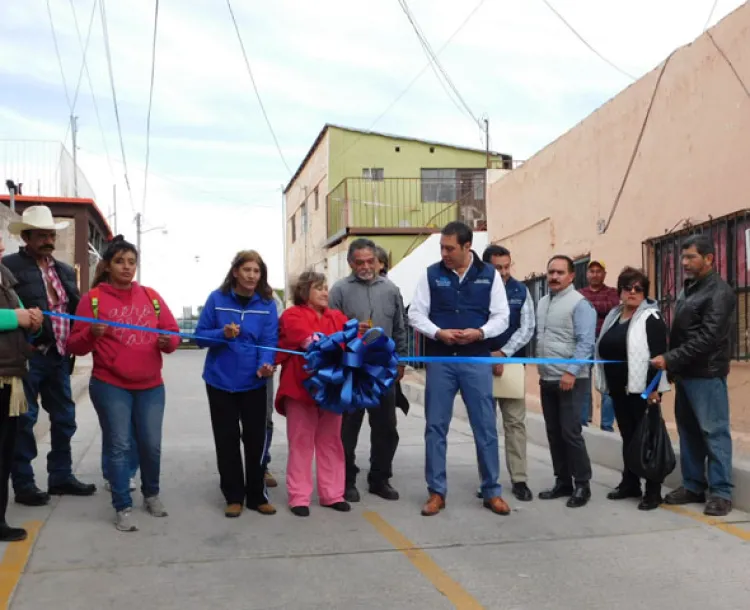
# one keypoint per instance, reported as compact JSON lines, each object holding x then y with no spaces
{"x":14,"y":561}
{"x":454,"y":592}
{"x":729,"y":528}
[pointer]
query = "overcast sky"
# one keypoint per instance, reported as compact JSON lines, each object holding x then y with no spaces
{"x":215,"y":174}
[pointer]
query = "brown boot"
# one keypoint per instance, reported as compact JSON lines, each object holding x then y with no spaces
{"x":435,"y":503}
{"x":270,"y":480}
{"x":233,"y":510}
{"x":265,"y":509}
{"x":497,"y":505}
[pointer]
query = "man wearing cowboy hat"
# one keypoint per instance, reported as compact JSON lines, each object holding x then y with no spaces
{"x":50,"y":285}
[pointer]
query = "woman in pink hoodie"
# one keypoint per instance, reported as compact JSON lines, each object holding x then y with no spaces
{"x":126,"y":385}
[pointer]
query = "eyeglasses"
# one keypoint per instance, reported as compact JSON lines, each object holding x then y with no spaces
{"x":633,"y":288}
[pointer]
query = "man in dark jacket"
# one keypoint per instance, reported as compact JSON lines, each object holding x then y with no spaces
{"x":698,"y":361}
{"x":50,"y":285}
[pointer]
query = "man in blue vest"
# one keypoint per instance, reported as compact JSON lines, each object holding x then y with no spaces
{"x":458,"y":305}
{"x":513,"y":342}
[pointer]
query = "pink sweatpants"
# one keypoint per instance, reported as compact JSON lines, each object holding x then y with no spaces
{"x":311,"y":430}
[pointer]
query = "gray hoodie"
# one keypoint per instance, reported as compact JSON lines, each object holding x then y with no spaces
{"x":379,"y":300}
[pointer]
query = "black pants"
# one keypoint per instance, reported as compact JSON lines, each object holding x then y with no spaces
{"x":562,"y":418}
{"x":383,"y":440}
{"x":629,"y":410}
{"x":228,"y":411}
{"x":8,"y":429}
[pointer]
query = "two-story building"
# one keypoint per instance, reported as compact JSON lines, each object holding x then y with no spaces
{"x":393,"y":189}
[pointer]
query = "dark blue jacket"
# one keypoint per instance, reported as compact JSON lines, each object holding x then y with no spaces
{"x":460,"y":305}
{"x":232,"y":366}
{"x":517,"y":293}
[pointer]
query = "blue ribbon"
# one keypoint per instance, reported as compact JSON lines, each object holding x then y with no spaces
{"x":349,"y":373}
{"x":652,"y":386}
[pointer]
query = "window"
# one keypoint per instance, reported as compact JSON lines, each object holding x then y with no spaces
{"x":373,"y":173}
{"x":439,"y":185}
{"x":293,"y":226}
{"x":317,"y":200}
{"x":731,"y":261}
{"x":303,"y":219}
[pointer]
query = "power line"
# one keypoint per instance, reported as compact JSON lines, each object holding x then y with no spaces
{"x":585,"y":42}
{"x":432,"y":57}
{"x":84,"y":50}
{"x":730,"y":64}
{"x":637,"y":142}
{"x":114,"y":100}
{"x":59,"y":58}
{"x":255,"y":88}
{"x":710,"y":15}
{"x":419,"y":74}
{"x":150,"y":102}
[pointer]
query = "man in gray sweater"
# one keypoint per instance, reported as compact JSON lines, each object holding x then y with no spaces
{"x":375,"y":301}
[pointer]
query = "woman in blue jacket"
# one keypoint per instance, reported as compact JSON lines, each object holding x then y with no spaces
{"x":237,"y":320}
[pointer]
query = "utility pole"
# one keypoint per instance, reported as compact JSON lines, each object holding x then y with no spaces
{"x":138,"y":245}
{"x":114,"y":205}
{"x":487,"y":139}
{"x":74,"y":133}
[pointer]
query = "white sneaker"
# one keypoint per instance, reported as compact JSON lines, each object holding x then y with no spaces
{"x":133,"y":485}
{"x":124,"y":521}
{"x":154,"y":506}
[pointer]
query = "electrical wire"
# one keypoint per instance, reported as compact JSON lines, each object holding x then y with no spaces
{"x":585,"y":42}
{"x":107,"y":49}
{"x":150,"y":102}
{"x":255,"y":88}
{"x":84,"y":51}
{"x":637,"y":142}
{"x":59,"y":58}
{"x":710,"y":15}
{"x":435,"y":63}
{"x":408,"y":87}
{"x":730,"y":64}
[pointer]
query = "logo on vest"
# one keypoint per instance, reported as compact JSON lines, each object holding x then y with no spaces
{"x":482,"y":280}
{"x":442,"y":282}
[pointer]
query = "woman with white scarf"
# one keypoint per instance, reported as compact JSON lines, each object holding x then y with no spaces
{"x":632,"y":334}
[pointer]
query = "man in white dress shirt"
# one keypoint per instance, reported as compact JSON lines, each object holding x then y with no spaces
{"x":458,"y":305}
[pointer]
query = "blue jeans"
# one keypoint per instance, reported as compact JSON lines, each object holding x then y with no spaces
{"x":444,"y":380}
{"x":48,"y":377}
{"x":608,"y":409}
{"x":702,"y":414}
{"x":121,"y":411}
{"x":133,"y":459}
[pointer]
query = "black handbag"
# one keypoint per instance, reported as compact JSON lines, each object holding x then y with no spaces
{"x":650,"y":454}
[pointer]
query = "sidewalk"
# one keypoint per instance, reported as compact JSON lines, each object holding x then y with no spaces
{"x":381,"y":555}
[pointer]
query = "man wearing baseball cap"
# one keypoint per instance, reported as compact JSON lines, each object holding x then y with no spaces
{"x":604,"y":299}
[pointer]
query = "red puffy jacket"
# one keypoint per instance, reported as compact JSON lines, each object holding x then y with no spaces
{"x":296,"y":325}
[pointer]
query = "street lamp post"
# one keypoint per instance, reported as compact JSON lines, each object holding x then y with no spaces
{"x":138,"y":232}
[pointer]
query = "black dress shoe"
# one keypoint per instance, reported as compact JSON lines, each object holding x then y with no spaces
{"x":351,"y":494}
{"x":522,"y":492}
{"x":560,"y":490}
{"x":384,"y":490}
{"x":11,"y":534}
{"x":684,"y":496}
{"x":622,"y":493}
{"x":32,"y":496}
{"x":717,"y":507}
{"x":300,"y":511}
{"x":580,"y":497}
{"x":650,"y":502}
{"x":73,"y":487}
{"x":342,"y":507}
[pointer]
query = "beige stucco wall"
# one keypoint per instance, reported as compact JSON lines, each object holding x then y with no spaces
{"x":307,"y":250}
{"x":692,"y":163}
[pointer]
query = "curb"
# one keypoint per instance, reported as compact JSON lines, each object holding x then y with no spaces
{"x":79,"y":382}
{"x":604,"y":448}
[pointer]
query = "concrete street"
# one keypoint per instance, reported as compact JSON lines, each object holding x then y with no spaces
{"x":382,"y":554}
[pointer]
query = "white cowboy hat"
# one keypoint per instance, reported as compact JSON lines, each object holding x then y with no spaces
{"x":36,"y":217}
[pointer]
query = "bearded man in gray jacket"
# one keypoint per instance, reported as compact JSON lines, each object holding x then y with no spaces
{"x":375,"y":301}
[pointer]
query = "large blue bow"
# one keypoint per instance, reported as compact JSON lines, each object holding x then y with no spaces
{"x":349,"y":373}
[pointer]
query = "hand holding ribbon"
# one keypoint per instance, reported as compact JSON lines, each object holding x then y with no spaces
{"x":349,"y":373}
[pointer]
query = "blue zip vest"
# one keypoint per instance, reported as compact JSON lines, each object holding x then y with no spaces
{"x":460,"y":305}
{"x":517,"y":293}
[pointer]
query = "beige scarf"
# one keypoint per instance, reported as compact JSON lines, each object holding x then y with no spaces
{"x":18,"y":403}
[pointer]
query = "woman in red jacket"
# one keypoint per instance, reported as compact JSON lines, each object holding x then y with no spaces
{"x":310,"y":429}
{"x":126,"y":385}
